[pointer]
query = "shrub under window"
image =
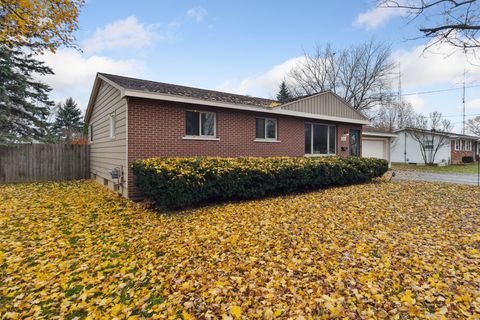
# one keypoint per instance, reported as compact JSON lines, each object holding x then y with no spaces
{"x":181,"y":182}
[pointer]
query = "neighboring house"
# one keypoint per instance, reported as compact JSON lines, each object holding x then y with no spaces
{"x":132,"y":119}
{"x":376,"y":143}
{"x":457,"y":147}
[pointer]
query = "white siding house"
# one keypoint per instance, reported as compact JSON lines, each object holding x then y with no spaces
{"x":405,"y":149}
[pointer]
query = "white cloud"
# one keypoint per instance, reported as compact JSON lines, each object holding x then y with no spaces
{"x":377,"y":16}
{"x":263,"y":84}
{"x":74,"y":73}
{"x":440,"y":65}
{"x":473,"y":105}
{"x":416,"y":101}
{"x":128,"y":33}
{"x":197,"y":13}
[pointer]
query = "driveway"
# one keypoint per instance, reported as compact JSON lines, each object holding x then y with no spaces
{"x":471,"y":179}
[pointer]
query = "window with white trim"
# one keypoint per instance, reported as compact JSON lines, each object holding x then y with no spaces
{"x":468,"y":145}
{"x":200,"y":124}
{"x":112,"y":124}
{"x":320,"y":139}
{"x":457,"y":145}
{"x":266,"y":129}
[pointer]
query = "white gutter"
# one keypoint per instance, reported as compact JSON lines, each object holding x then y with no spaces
{"x":277,"y":111}
{"x":378,"y":134}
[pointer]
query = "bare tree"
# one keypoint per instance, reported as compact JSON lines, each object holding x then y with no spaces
{"x":473,"y":126}
{"x":432,"y":133}
{"x":454,"y":22}
{"x":394,"y":115}
{"x":361,"y":75}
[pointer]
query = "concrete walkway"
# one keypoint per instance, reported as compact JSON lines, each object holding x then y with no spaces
{"x":437,"y":177}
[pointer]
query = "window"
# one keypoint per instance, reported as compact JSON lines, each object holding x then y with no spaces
{"x":429,"y":144}
{"x":112,"y":125}
{"x":320,"y":139}
{"x":200,"y":124}
{"x":90,"y":132}
{"x":457,"y":145}
{"x":266,"y":129}
{"x":468,"y":145}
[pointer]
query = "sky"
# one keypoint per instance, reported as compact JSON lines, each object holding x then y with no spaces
{"x":248,"y":47}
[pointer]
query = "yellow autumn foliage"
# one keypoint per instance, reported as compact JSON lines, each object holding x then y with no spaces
{"x":75,"y":250}
{"x":40,"y":24}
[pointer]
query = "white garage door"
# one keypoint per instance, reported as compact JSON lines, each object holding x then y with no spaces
{"x":374,"y":148}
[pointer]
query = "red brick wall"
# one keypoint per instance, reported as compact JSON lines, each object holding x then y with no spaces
{"x":156,"y":128}
{"x":458,"y":155}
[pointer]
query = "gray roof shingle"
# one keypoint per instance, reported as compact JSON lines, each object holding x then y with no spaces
{"x":183,"y":91}
{"x":375,"y":130}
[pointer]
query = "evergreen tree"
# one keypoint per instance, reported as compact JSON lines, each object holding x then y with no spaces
{"x":283,"y":94}
{"x":68,"y":121}
{"x":24,"y":101}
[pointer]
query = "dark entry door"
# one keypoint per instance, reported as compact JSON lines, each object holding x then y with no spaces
{"x":355,"y":143}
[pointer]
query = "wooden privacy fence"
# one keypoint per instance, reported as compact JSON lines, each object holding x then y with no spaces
{"x":43,"y":162}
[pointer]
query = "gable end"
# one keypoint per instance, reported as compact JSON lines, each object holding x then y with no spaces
{"x":325,"y":103}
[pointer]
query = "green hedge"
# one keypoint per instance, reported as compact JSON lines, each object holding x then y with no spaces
{"x":182,"y":182}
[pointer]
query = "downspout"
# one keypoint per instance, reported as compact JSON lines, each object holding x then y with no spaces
{"x":405,"y":147}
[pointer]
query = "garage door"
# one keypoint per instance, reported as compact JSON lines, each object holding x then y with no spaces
{"x":374,"y":148}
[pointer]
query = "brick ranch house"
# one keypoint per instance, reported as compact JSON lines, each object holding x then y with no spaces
{"x":131,"y":119}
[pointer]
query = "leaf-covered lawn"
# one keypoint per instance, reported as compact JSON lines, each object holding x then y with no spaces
{"x":382,"y":250}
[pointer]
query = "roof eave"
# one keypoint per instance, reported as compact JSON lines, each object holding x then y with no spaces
{"x":448,"y":135}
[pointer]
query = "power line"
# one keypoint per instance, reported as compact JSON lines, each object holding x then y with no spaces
{"x":440,"y":90}
{"x":461,"y":115}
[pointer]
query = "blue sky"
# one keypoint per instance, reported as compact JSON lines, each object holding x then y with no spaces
{"x":247,"y":47}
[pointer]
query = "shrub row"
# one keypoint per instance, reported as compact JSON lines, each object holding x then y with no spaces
{"x":182,"y":182}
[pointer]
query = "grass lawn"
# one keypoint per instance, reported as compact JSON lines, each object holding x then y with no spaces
{"x":471,"y":168}
{"x":380,"y":250}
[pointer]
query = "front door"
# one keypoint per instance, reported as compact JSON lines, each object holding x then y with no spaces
{"x":355,"y":143}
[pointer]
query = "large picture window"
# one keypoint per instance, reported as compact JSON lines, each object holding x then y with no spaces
{"x":200,"y":124}
{"x":266,"y":129}
{"x":320,"y":139}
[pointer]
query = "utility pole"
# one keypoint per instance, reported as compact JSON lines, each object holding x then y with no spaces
{"x":399,"y":84}
{"x":463,"y":102}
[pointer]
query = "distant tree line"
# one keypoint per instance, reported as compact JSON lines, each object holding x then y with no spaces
{"x":25,"y":105}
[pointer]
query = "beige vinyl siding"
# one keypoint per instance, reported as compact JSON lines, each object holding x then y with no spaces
{"x":327,"y":104}
{"x":108,"y":153}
